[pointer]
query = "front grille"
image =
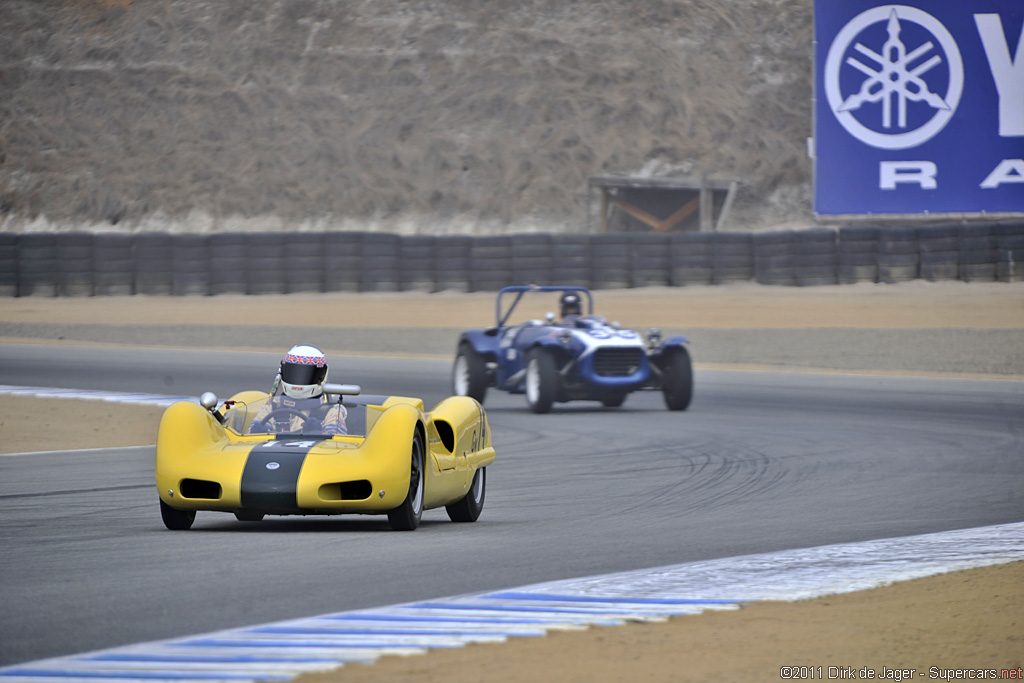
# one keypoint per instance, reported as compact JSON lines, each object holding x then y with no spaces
{"x":615,"y":362}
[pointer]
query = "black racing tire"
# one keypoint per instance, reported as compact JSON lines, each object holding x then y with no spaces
{"x":248,"y":516}
{"x":407,"y":516}
{"x":176,"y":520}
{"x":469,"y":374}
{"x":677,"y":379}
{"x":467,"y":509}
{"x":613,"y":400}
{"x":541,"y":380}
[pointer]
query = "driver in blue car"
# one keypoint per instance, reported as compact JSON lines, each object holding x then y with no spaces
{"x":301,"y":406}
{"x":570,"y":306}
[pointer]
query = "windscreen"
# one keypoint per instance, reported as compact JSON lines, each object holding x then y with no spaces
{"x":298,"y":419}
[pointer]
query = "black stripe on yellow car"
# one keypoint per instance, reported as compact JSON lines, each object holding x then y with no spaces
{"x":271,"y":475}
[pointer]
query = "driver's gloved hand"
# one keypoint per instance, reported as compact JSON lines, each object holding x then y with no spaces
{"x":311,"y":425}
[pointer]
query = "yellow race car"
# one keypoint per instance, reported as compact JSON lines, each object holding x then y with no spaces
{"x":249,"y":457}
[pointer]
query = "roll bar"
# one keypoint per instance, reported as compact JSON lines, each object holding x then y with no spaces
{"x":520,"y":290}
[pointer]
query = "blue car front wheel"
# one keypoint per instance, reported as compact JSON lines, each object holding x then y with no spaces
{"x":613,"y":400}
{"x":677,"y":379}
{"x":469,"y":374}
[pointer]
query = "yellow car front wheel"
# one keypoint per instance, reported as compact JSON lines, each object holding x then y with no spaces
{"x":406,"y":516}
{"x":177,"y":520}
{"x":248,"y":516}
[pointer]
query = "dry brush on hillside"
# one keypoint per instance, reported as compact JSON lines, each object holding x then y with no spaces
{"x":442,"y":115}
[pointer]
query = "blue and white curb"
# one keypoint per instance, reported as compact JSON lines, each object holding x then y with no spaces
{"x":283,"y":650}
{"x":94,"y":395}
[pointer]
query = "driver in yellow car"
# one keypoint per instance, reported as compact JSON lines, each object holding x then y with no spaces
{"x":301,"y":405}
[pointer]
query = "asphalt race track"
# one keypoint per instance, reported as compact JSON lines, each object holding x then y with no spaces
{"x":761,"y":462}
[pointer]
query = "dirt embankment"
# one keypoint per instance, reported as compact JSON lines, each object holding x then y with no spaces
{"x":437,"y":116}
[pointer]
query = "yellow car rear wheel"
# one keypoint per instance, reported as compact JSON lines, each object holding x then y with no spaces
{"x":467,"y":509}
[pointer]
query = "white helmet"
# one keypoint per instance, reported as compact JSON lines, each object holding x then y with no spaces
{"x":303,"y":372}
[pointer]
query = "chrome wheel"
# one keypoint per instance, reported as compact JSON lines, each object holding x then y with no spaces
{"x":406,"y":516}
{"x":477,"y":489}
{"x":469,"y":374}
{"x":532,"y":381}
{"x":460,"y":376}
{"x":541,"y":380}
{"x":467,"y":508}
{"x":416,"y":483}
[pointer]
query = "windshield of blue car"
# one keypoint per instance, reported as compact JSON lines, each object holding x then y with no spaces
{"x":310,"y":418}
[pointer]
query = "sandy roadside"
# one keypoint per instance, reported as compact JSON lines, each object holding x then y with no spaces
{"x":945,"y":329}
{"x":956,"y":621}
{"x":910,"y":305}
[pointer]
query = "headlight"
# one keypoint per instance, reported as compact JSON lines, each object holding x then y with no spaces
{"x":653,"y":337}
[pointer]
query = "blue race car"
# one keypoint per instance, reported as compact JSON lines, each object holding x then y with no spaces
{"x":575,"y":357}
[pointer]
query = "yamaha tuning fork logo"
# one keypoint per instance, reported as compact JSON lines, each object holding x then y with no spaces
{"x":898,"y":89}
{"x":919,"y":107}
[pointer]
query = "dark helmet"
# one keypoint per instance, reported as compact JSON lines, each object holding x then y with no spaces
{"x":570,"y":304}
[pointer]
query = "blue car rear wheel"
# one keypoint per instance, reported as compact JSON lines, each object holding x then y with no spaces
{"x":541,"y":380}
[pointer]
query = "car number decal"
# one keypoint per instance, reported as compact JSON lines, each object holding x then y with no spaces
{"x":608,"y":333}
{"x":288,"y":444}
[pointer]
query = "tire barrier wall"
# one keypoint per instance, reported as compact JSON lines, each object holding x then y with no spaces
{"x":105,"y":264}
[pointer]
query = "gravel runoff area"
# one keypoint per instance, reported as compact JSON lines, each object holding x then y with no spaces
{"x":940,"y":628}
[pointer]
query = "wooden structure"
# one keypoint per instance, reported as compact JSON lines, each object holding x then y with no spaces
{"x":664,"y":204}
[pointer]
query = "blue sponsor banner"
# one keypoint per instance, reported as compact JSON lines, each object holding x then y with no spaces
{"x":919,"y":106}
